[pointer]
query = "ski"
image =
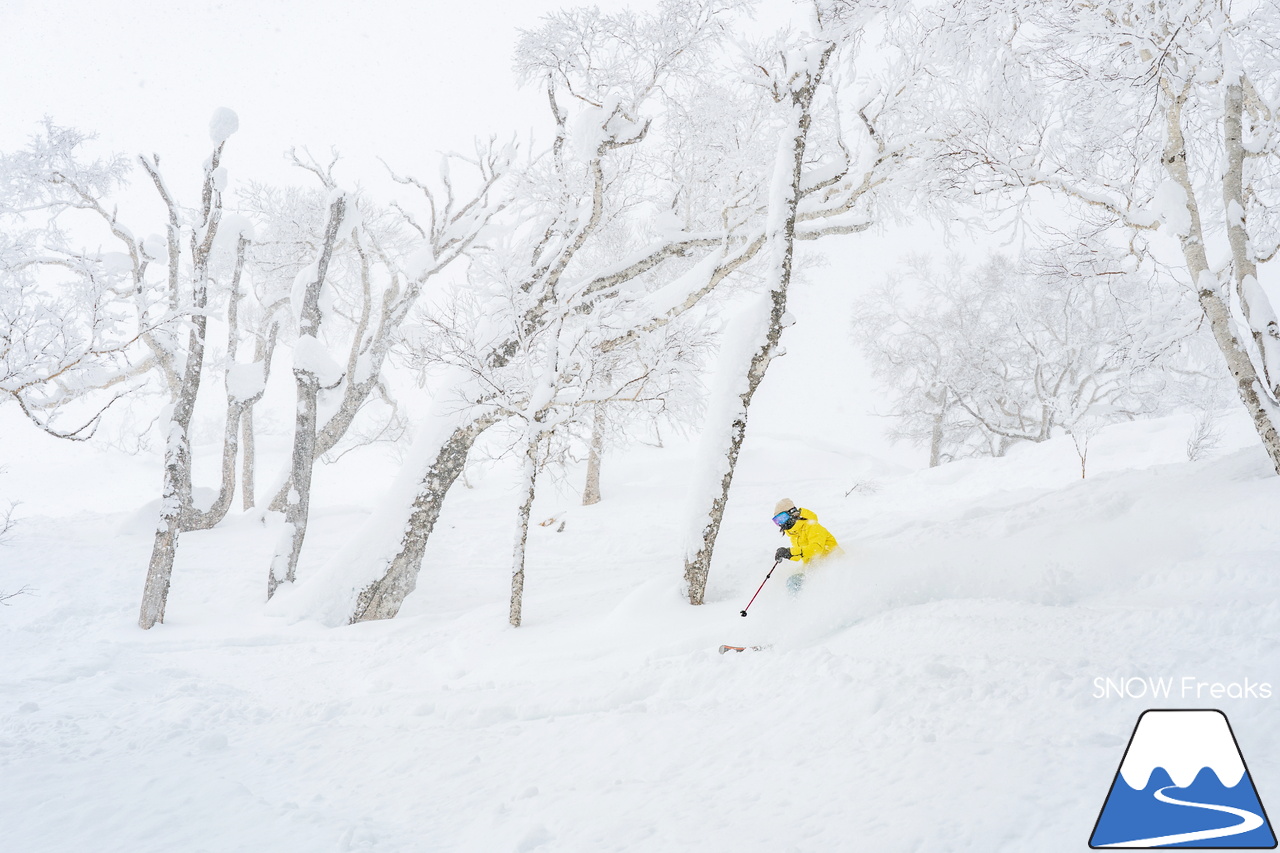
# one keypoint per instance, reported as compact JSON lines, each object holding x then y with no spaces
{"x":724,"y":649}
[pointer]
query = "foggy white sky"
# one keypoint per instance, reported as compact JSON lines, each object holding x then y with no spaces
{"x":390,"y":78}
{"x":394,"y":79}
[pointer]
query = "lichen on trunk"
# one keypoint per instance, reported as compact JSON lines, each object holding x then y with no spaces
{"x":297,"y":509}
{"x":383,"y":598}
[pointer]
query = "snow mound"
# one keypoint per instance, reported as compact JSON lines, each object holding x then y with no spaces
{"x":223,"y":123}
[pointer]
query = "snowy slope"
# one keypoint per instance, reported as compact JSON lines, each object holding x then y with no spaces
{"x":933,"y":693}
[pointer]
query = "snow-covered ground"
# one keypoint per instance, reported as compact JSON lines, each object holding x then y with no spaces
{"x":934,"y":692}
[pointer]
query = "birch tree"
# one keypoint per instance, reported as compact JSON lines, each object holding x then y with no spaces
{"x":166,"y":314}
{"x":601,"y":74}
{"x":1154,"y":119}
{"x":394,"y":254}
{"x":242,"y":390}
{"x":591,"y":488}
{"x":290,"y":230}
{"x":372,"y":277}
{"x":795,"y":85}
{"x":980,"y":357}
{"x":828,"y":178}
{"x":673,"y":265}
{"x":254,"y":313}
{"x":312,"y":367}
{"x":187,"y":293}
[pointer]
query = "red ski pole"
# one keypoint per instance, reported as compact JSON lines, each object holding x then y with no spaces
{"x":762,"y":583}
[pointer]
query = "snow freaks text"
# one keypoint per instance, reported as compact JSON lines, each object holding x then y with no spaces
{"x":1186,"y":687}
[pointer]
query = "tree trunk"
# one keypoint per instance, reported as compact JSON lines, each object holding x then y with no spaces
{"x":528,"y":485}
{"x":175,"y":501}
{"x":591,"y":491}
{"x":355,"y":393}
{"x":197,"y":520}
{"x":217,"y":511}
{"x":247,"y":459}
{"x":365,"y":360}
{"x":697,"y":566}
{"x":783,"y":207}
{"x":936,"y":437}
{"x":1254,"y":304}
{"x":263,"y":352}
{"x":285,"y":563}
{"x":155,"y":593}
{"x":382,"y":598}
{"x":1241,"y":368}
{"x":176,"y":492}
{"x":1248,"y":383}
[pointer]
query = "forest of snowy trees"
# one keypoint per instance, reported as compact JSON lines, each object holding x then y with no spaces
{"x":547,"y":302}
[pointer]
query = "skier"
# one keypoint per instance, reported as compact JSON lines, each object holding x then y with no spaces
{"x":810,"y":541}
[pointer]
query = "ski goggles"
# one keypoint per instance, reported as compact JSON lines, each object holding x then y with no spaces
{"x":782,"y":518}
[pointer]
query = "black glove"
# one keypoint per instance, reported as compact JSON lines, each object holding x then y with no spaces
{"x":782,"y":554}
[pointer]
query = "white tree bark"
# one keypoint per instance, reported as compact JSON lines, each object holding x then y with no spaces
{"x":248,"y":461}
{"x":591,"y":491}
{"x":1249,"y":383}
{"x":1254,"y":304}
{"x":176,"y":507}
{"x":528,"y":487}
{"x":197,"y":520}
{"x":297,"y":510}
{"x":263,"y":351}
{"x":942,"y":398}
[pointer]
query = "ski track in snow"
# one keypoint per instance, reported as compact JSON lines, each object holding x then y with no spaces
{"x":1248,"y":822}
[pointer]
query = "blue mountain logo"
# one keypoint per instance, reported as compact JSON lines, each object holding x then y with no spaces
{"x":1183,"y":783}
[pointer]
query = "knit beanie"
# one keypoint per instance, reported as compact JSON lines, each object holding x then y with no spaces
{"x":784,"y":505}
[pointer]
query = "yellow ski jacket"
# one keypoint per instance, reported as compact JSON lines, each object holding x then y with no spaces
{"x":809,"y":539}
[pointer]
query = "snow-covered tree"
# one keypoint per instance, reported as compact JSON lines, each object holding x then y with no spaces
{"x":7,"y":521}
{"x":617,"y":238}
{"x":1157,"y":119}
{"x":70,"y":337}
{"x":289,"y":235}
{"x":850,"y":144}
{"x":393,"y":254}
{"x":978,"y":358}
{"x":340,"y":326}
{"x":795,"y":85}
{"x":120,"y":315}
{"x":570,"y":295}
{"x":255,"y":315}
{"x":185,"y":296}
{"x":312,"y":368}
